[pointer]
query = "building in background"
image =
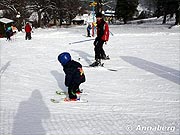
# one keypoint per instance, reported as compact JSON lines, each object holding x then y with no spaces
{"x":4,"y":23}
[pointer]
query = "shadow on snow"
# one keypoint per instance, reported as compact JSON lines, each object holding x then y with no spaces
{"x":3,"y":69}
{"x":162,"y":71}
{"x":60,"y":79}
{"x":84,"y":55}
{"x":28,"y":120}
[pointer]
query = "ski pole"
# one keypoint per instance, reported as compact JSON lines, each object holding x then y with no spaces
{"x":111,"y":33}
{"x":80,"y":41}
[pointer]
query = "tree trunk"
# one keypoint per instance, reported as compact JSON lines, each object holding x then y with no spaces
{"x":164,"y":19}
{"x":177,"y":17}
{"x":125,"y":20}
{"x":99,"y":6}
{"x":39,"y":19}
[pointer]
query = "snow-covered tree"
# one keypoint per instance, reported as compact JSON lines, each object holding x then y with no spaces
{"x":13,"y":7}
{"x":126,"y":9}
{"x":165,"y":7}
{"x":40,"y":7}
{"x":71,"y":8}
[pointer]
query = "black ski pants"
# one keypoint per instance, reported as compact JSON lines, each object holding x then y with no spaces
{"x":99,"y":51}
{"x":28,"y":36}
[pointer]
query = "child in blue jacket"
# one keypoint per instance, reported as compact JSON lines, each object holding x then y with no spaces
{"x":9,"y":33}
{"x":74,"y":74}
{"x":89,"y":30}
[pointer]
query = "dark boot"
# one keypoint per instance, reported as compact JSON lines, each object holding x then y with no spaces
{"x":96,"y":63}
{"x":72,"y":94}
{"x":105,"y":57}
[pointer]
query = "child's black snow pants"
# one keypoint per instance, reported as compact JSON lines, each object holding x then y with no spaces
{"x":72,"y":90}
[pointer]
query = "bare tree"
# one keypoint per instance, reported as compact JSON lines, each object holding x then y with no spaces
{"x":40,"y":7}
{"x":10,"y":7}
{"x":71,"y":9}
{"x":165,"y":7}
{"x":45,"y":9}
{"x":14,"y":9}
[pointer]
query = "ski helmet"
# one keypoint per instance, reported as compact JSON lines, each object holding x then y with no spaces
{"x":64,"y":58}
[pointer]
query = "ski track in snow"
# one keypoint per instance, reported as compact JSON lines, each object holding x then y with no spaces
{"x":141,"y":97}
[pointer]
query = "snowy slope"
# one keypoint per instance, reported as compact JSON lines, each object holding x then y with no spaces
{"x":141,"y":97}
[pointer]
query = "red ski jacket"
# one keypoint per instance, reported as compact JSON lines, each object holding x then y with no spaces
{"x":28,"y":28}
{"x":103,"y":30}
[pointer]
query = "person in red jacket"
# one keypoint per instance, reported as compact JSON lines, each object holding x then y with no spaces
{"x":102,"y":37}
{"x":28,"y":30}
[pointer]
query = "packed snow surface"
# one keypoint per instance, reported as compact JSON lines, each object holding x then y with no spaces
{"x":136,"y":92}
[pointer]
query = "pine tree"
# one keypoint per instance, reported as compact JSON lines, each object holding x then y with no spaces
{"x":125,"y":9}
